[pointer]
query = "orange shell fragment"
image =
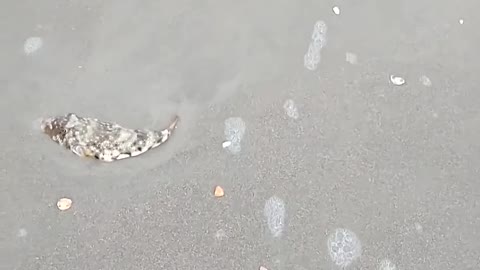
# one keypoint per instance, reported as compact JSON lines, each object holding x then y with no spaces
{"x":219,"y":192}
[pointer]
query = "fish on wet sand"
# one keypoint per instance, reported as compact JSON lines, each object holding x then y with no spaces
{"x":105,"y":141}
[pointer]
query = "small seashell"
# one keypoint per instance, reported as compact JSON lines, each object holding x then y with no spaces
{"x":218,"y":192}
{"x":262,"y":268}
{"x":226,"y":144}
{"x":396,"y":80}
{"x":336,"y":10}
{"x":64,"y":204}
{"x":460,"y":21}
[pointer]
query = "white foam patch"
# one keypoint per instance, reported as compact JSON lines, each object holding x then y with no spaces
{"x":351,"y":58}
{"x":386,"y":264}
{"x":418,"y":227}
{"x":22,"y":233}
{"x":344,"y":247}
{"x":291,"y":109}
{"x":319,"y":40}
{"x":234,"y":132}
{"x":220,"y":234}
{"x":32,"y":44}
{"x":425,"y":81}
{"x":274,"y":212}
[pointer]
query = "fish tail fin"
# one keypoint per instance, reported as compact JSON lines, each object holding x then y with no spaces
{"x":174,"y":123}
{"x":165,"y":134}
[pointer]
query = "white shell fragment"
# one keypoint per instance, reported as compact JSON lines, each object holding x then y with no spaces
{"x":336,"y":10}
{"x":226,"y":144}
{"x":396,"y":80}
{"x":64,"y":204}
{"x":460,"y":21}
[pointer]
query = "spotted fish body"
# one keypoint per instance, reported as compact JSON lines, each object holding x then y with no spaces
{"x":89,"y":137}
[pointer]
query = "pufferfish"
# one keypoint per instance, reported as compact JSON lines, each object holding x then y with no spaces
{"x":105,"y":141}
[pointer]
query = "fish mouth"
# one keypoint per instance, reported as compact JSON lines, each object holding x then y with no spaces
{"x":43,"y":125}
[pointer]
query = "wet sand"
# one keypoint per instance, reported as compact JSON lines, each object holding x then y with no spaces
{"x":331,"y":163}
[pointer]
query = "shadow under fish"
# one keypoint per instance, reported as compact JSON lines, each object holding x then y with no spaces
{"x":92,"y":138}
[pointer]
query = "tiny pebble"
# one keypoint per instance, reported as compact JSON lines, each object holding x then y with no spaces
{"x":396,"y":80}
{"x":262,"y":268}
{"x":226,"y":144}
{"x":460,"y":21}
{"x":336,"y":10}
{"x":64,"y":204}
{"x":219,"y":192}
